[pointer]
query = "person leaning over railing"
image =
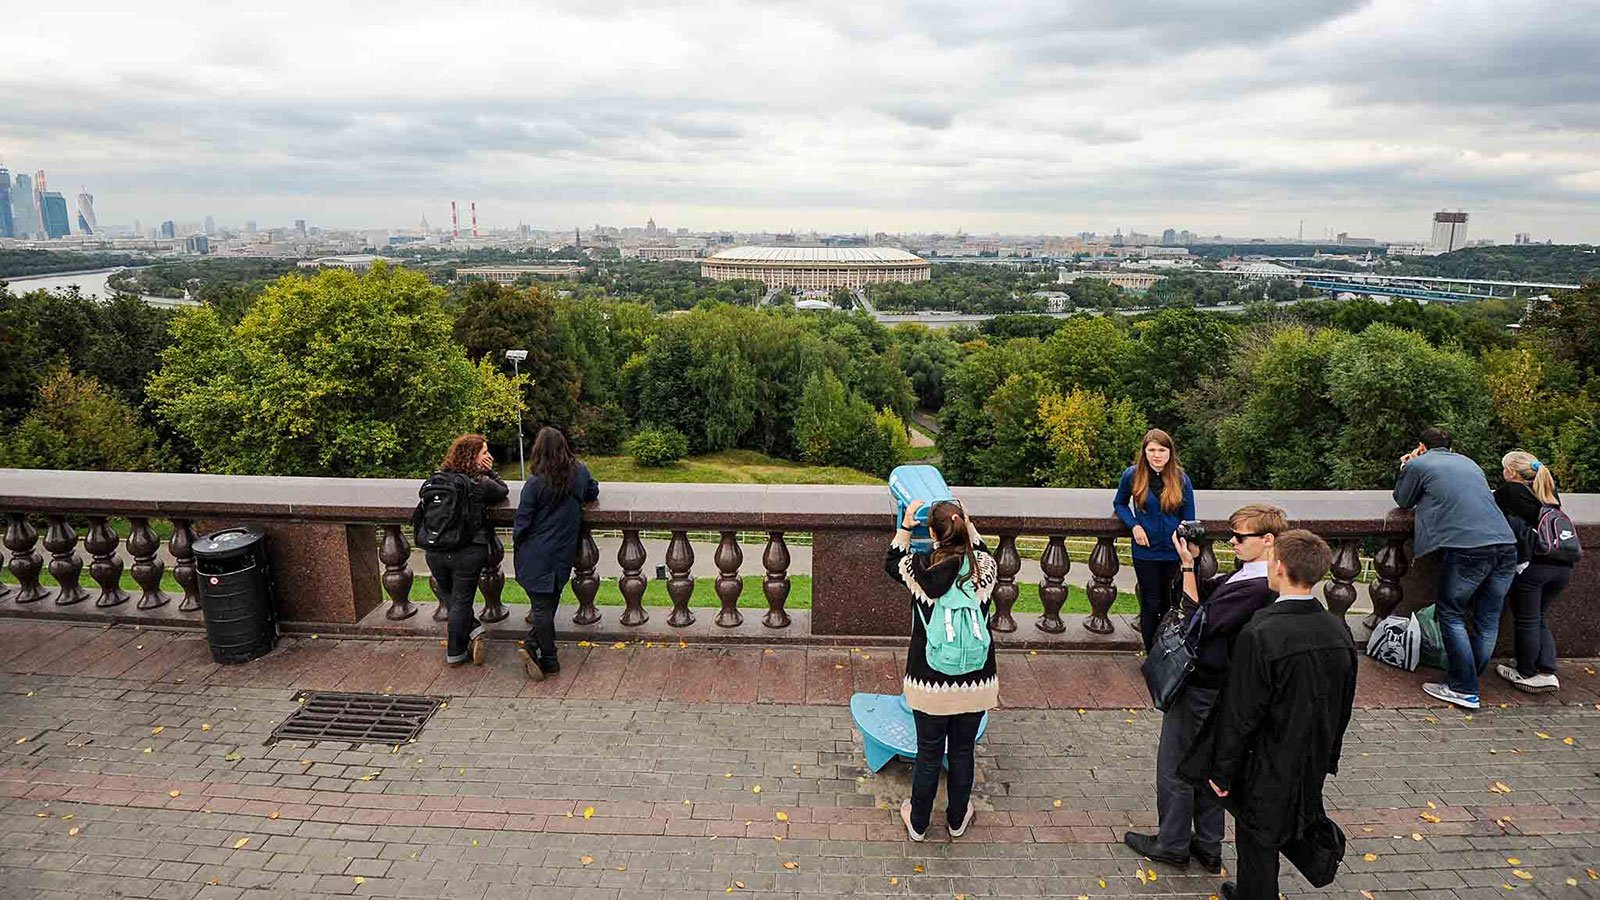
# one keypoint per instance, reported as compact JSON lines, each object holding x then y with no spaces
{"x":1152,"y":498}
{"x":1191,"y":821}
{"x":452,"y":526}
{"x":1526,"y":497}
{"x":947,"y":700}
{"x":545,"y":540}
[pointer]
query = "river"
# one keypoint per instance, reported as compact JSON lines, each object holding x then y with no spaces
{"x":92,"y":283}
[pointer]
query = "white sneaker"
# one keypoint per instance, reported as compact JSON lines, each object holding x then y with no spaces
{"x":1542,"y":683}
{"x":965,"y":821}
{"x":905,"y":816}
{"x":1443,"y":692}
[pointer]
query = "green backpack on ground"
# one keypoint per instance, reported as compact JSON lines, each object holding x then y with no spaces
{"x":958,"y":635}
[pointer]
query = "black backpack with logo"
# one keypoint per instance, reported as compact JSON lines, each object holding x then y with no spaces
{"x":446,"y":518}
{"x":1554,"y":538}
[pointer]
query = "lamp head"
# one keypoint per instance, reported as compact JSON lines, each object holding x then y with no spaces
{"x":517,"y":355}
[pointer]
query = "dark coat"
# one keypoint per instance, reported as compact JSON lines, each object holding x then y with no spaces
{"x":1522,"y":508}
{"x":1278,"y":727}
{"x":1229,"y":608}
{"x":545,"y":536}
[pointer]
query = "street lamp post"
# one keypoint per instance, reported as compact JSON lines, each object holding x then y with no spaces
{"x":516,"y":357}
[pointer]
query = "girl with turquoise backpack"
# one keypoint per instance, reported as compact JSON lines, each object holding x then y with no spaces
{"x":950,"y":678}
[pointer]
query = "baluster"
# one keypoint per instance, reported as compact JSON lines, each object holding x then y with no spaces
{"x":1102,"y":589}
{"x":1007,"y":563}
{"x":1392,"y":562}
{"x":183,"y":571}
{"x":106,"y":567}
{"x":66,"y":566}
{"x":775,"y":559}
{"x":1341,"y":590}
{"x":148,"y":567}
{"x":1205,"y":562}
{"x":1053,"y":592}
{"x":631,"y":557}
{"x":395,"y":554}
{"x":680,"y":586}
{"x":26,"y":562}
{"x":729,"y":557}
{"x":493,"y":581}
{"x":585,"y":583}
{"x":5,"y":589}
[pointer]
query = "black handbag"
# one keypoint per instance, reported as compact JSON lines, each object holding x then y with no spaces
{"x":1171,"y":658}
{"x":1317,"y":852}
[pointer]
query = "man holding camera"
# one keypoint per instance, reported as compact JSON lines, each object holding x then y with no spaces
{"x":1191,"y":820}
{"x":1278,"y":727}
{"x":1456,"y":515}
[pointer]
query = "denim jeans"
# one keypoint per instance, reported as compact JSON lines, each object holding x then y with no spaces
{"x":457,"y":572}
{"x":1531,"y":595}
{"x":956,"y":735}
{"x":1472,"y":593}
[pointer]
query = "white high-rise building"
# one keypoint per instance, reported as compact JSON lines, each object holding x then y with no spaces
{"x":1449,"y":232}
{"x":86,"y":219}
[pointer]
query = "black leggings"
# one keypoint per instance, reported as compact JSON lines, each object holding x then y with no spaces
{"x":1158,"y":580}
{"x":541,"y":642}
{"x":937,"y":736}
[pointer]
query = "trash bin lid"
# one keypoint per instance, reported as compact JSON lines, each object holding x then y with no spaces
{"x":229,"y":542}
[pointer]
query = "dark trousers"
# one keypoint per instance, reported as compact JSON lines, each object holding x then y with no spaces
{"x":1258,"y":867}
{"x":1188,"y":814}
{"x":1472,"y":594}
{"x":457,"y":572}
{"x":936,"y":736}
{"x":1530,"y":597}
{"x":541,"y":642}
{"x":1157,"y":585}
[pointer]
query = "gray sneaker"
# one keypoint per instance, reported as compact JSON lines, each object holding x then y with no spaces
{"x":1443,"y":692}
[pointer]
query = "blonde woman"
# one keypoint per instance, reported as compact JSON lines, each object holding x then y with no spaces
{"x":1529,"y":488}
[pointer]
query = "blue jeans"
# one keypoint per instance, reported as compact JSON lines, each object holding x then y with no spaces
{"x":1472,"y":586}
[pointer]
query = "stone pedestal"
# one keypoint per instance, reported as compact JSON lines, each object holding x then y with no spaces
{"x":321,"y":572}
{"x":850,"y":592}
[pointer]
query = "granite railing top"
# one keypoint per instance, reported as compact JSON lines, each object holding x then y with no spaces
{"x":788,"y":507}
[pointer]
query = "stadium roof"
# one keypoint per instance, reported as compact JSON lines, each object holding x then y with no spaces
{"x":857,"y":255}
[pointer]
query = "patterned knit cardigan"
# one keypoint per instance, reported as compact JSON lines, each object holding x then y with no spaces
{"x":927,"y":689}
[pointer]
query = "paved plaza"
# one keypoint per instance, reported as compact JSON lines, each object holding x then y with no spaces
{"x":132,"y":766}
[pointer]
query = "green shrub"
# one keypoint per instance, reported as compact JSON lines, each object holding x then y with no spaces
{"x":657,"y":447}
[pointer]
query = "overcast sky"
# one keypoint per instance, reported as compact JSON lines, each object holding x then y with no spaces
{"x":1052,"y":116}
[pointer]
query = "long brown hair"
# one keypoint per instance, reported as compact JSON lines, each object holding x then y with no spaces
{"x":949,"y":527}
{"x":463,"y":454}
{"x":1171,"y":476}
{"x":552,"y":458}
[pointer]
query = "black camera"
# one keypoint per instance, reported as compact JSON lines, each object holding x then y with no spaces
{"x":1191,"y":531}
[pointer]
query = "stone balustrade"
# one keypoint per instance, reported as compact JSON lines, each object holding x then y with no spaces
{"x":338,"y":546}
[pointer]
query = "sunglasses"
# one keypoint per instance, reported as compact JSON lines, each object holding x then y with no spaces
{"x":1239,"y":537}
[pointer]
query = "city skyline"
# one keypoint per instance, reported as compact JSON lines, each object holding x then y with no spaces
{"x":1241,"y":119}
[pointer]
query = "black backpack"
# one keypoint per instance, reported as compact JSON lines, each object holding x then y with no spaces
{"x":1554,"y":538}
{"x":446,"y":518}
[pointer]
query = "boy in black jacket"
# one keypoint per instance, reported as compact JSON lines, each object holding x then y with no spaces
{"x":1191,"y":820}
{"x":1279,"y":725}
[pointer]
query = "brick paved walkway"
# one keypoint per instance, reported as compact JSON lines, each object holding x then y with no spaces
{"x":132,"y":766}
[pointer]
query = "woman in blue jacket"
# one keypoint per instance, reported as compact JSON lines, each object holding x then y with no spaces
{"x":1153,"y":497}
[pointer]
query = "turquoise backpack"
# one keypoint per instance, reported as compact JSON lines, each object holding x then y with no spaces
{"x":958,"y":635}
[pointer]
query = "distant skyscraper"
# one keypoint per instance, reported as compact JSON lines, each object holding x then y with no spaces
{"x":7,"y":220}
{"x":211,"y":225}
{"x":300,"y":226}
{"x":197,"y":244}
{"x":25,"y":221}
{"x":86,"y":220}
{"x":53,"y":214}
{"x":250,"y":226}
{"x":1449,"y":232}
{"x":1169,"y":237}
{"x":169,"y":229}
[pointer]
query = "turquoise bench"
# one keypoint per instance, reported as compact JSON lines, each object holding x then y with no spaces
{"x":887,"y":728}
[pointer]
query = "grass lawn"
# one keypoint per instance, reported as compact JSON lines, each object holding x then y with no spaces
{"x":728,"y":467}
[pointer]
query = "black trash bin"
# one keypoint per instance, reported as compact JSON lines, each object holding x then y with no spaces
{"x":236,"y":593}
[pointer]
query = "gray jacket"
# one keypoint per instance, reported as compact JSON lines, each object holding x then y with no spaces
{"x":1455,"y":509}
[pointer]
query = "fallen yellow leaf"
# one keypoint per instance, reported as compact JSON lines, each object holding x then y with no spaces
{"x":1513,"y":861}
{"x":1572,"y":882}
{"x":1430,"y":720}
{"x":148,"y":749}
{"x":588,"y":812}
{"x":756,"y":789}
{"x":73,"y":831}
{"x":893,"y":882}
{"x":22,"y":740}
{"x":1140,"y":874}
{"x":783,"y":816}
{"x":586,"y":860}
{"x":739,"y":884}
{"x":619,"y":645}
{"x":158,"y":729}
{"x":838,"y":665}
{"x":1524,"y":875}
{"x":1541,"y":736}
{"x":67,"y":817}
{"x":622,"y":868}
{"x":214,"y":882}
{"x":174,"y":793}
{"x":1056,"y":804}
{"x":1153,"y":876}
{"x":1415,"y":836}
{"x":368,"y":777}
{"x":1568,"y":741}
{"x":791,"y":864}
{"x":205,"y":726}
{"x":730,"y":889}
{"x":1500,"y":787}
{"x":274,"y":814}
{"x":239,"y":844}
{"x":1102,"y":882}
{"x":917,"y":869}
{"x":1367,"y":895}
{"x":1429,"y":817}
{"x":358,"y":879}
{"x":1432,"y":805}
{"x":1592,"y":875}
{"x":1370,"y":857}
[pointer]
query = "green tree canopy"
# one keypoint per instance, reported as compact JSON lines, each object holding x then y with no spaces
{"x":335,"y":374}
{"x":78,"y":424}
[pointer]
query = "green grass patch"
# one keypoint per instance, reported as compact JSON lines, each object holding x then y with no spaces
{"x":728,"y":467}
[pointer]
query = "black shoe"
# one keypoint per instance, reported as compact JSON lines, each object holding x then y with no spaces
{"x":1227,"y":890}
{"x":549,"y":666}
{"x":1210,"y":863}
{"x":1145,"y":845}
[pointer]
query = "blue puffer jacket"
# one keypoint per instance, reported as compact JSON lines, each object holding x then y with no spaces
{"x":1157,"y":523}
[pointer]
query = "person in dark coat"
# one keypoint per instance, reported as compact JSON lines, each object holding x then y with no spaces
{"x":457,"y":571}
{"x":1529,"y":488}
{"x":1191,"y":819}
{"x":545,"y":540}
{"x":1278,"y":728}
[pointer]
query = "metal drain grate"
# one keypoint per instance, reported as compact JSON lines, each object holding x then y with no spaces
{"x":356,"y":718}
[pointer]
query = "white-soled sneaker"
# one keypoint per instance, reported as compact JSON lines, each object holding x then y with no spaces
{"x":965,"y":821}
{"x":905,"y":816}
{"x":1443,"y":692}
{"x":1541,"y":683}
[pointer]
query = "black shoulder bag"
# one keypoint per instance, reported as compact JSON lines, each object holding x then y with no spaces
{"x":1171,"y":658}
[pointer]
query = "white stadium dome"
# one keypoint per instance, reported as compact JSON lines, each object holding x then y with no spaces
{"x":813,"y":268}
